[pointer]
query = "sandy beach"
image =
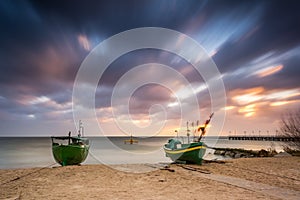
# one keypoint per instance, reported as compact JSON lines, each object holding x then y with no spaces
{"x":248,"y":178}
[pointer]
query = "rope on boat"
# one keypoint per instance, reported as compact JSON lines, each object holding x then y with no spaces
{"x":24,"y":175}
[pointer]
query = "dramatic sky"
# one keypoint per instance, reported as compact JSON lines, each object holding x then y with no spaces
{"x":254,"y":44}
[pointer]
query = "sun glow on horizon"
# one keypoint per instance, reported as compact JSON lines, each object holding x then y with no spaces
{"x":247,"y":96}
{"x":229,"y":108}
{"x":281,"y":103}
{"x":248,"y":110}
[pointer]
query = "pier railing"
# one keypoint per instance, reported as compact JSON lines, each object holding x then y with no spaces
{"x":265,"y":138}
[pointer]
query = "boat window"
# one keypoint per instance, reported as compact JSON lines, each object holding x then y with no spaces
{"x":178,"y":146}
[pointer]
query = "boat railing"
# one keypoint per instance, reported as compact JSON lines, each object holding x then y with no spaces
{"x":66,"y":140}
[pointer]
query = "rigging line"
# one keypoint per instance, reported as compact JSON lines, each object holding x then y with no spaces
{"x":24,"y":175}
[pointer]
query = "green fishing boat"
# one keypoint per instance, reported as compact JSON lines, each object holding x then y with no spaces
{"x":68,"y":150}
{"x":190,"y":152}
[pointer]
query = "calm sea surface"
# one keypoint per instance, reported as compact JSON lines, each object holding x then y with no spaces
{"x":24,"y":152}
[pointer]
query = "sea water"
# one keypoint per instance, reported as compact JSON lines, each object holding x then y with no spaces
{"x":24,"y":152}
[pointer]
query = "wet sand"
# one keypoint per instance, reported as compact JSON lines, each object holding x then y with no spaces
{"x":251,"y":178}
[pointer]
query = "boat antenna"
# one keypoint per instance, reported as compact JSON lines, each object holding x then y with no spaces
{"x":188,"y":131}
{"x":202,"y":128}
{"x":195,"y":131}
{"x":176,"y":133}
{"x":80,"y":129}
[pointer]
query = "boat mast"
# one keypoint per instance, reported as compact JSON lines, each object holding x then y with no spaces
{"x":69,"y":139}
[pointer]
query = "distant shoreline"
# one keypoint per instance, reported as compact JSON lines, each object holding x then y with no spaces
{"x":159,"y":136}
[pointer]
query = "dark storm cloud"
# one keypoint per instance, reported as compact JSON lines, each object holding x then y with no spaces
{"x":30,"y":26}
{"x":289,"y":75}
{"x":146,"y":96}
{"x":13,"y":110}
{"x":20,"y":24}
{"x":63,"y":96}
{"x":27,"y":39}
{"x":139,"y":57}
{"x":111,"y":17}
{"x":40,"y":52}
{"x":285,"y":78}
{"x":39,"y":40}
{"x":277,"y":30}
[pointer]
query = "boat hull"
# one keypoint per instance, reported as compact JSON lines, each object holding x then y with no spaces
{"x":72,"y":154}
{"x":189,"y":153}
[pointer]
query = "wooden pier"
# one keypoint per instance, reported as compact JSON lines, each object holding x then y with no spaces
{"x":265,"y":138}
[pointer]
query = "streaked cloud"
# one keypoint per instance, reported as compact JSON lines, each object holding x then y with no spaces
{"x":247,"y":96}
{"x":283,"y":94}
{"x":173,"y":104}
{"x":37,"y":100}
{"x":259,"y":101}
{"x":84,"y":42}
{"x":281,"y":103}
{"x":42,"y":46}
{"x":269,"y":70}
{"x":32,"y":116}
{"x":229,"y":107}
